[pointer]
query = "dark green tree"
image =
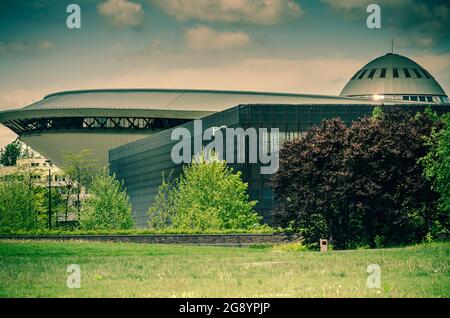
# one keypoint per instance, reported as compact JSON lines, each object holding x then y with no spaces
{"x":437,"y":164}
{"x":10,"y":154}
{"x":358,"y":185}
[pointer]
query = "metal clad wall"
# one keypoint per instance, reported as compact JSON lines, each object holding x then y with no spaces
{"x":140,"y":164}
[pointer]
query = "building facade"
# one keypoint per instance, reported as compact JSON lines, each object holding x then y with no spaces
{"x":141,"y":164}
{"x":131,"y":128}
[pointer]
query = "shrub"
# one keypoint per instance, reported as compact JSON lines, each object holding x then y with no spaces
{"x":17,"y":205}
{"x":291,"y":247}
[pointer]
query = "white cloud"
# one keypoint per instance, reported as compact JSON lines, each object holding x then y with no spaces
{"x":202,"y":37}
{"x":13,"y":48}
{"x":252,"y":70}
{"x":121,"y":13}
{"x":235,"y":71}
{"x":259,"y":12}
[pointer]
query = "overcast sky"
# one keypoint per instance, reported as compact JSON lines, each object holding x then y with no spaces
{"x":302,"y":46}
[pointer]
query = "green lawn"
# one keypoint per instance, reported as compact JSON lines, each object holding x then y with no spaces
{"x":38,"y":269}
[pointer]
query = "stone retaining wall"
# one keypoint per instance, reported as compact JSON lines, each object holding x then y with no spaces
{"x":196,"y":239}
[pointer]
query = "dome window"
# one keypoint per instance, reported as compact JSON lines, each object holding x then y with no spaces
{"x":407,"y":74}
{"x":422,"y":98}
{"x":372,"y":73}
{"x":395,"y":72}
{"x":416,"y":71}
{"x":383,"y":73}
{"x":429,"y":98}
{"x":362,"y":74}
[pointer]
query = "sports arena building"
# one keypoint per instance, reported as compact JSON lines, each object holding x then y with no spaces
{"x":131,"y":129}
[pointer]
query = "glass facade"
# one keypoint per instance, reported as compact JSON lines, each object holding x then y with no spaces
{"x":142,"y":163}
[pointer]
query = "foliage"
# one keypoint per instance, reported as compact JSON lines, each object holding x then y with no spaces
{"x":107,"y":206}
{"x":437,"y":162}
{"x":291,"y":247}
{"x":17,"y":205}
{"x":358,"y":184}
{"x":207,"y":196}
{"x":80,"y":169}
{"x":162,"y":210}
{"x":377,"y":112}
{"x":10,"y":154}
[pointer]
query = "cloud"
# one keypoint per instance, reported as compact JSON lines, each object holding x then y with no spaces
{"x":14,"y":48}
{"x":205,"y":38}
{"x":414,"y":22}
{"x":121,"y":13}
{"x":438,"y":65}
{"x":234,"y":70}
{"x":257,"y":12}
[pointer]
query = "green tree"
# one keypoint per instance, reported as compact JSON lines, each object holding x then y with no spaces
{"x":80,"y":170}
{"x":162,"y":210}
{"x":10,"y":154}
{"x":107,"y":206}
{"x":437,"y":162}
{"x":358,"y":185}
{"x":17,"y":204}
{"x":208,"y":195}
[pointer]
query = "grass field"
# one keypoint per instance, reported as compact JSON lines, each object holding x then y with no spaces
{"x":38,"y":269}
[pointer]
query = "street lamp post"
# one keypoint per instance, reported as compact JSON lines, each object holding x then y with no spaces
{"x":49,"y":194}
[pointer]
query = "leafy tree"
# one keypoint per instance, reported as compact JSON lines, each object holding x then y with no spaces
{"x":310,"y":185}
{"x":437,"y":162}
{"x":80,"y":170}
{"x":107,"y":207}
{"x":388,"y":189}
{"x":207,"y":196}
{"x":10,"y":154}
{"x":17,"y":204}
{"x":355,"y":184}
{"x":40,"y":193}
{"x":162,"y":210}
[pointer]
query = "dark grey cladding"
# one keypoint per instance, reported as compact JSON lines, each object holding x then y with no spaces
{"x":141,"y":164}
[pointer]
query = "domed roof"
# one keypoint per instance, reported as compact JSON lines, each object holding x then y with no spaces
{"x":394,"y":76}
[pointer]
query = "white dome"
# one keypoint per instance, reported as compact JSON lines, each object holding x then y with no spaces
{"x":395,"y":76}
